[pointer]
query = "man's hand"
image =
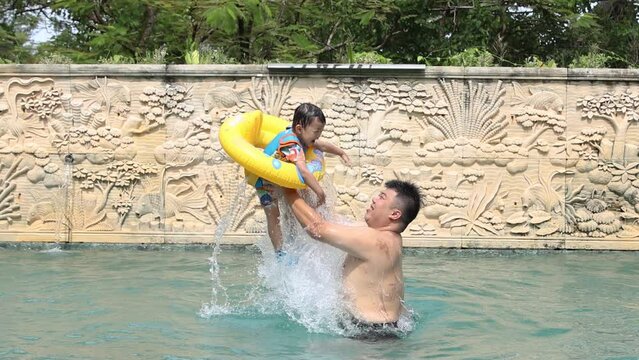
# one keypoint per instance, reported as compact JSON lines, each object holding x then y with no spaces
{"x":321,"y":197}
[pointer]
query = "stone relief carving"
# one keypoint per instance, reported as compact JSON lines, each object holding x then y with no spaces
{"x":24,"y":99}
{"x":9,"y":208}
{"x":181,"y":196}
{"x":478,"y":217}
{"x":620,"y":111}
{"x":468,"y":118}
{"x":119,"y":174}
{"x":538,"y":110}
{"x":546,"y":209}
{"x":492,"y":160}
{"x":159,"y":105}
{"x":231,"y":199}
{"x":361,"y":114}
{"x":102,"y":93}
{"x":269,"y":94}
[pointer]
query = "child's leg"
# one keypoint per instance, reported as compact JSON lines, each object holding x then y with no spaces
{"x":273,"y":225}
{"x":272,"y":212}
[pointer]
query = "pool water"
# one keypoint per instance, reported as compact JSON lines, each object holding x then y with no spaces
{"x":160,"y":303}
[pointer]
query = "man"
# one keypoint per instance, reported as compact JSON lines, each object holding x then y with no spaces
{"x":372,"y":275}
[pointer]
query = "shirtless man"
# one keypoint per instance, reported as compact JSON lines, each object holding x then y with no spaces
{"x":372,"y":276}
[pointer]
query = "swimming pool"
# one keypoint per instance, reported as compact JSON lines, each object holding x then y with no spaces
{"x":120,"y":303}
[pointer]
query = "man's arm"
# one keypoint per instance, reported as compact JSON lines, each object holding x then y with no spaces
{"x":355,"y":240}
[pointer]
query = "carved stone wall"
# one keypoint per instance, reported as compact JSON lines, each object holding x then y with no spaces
{"x":506,"y":158}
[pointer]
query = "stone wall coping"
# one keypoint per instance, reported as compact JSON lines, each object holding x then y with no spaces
{"x":132,"y":70}
{"x":318,"y":70}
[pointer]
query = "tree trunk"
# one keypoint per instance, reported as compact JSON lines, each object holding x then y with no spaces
{"x":619,"y":145}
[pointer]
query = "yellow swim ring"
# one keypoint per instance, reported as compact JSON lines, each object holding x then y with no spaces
{"x":244,"y":138}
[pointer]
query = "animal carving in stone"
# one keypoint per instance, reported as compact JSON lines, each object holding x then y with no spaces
{"x":540,"y":98}
{"x":174,"y":205}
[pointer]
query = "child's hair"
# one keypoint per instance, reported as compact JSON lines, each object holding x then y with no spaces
{"x":305,"y":113}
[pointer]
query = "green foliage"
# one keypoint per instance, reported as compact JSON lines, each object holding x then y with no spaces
{"x":192,"y":54}
{"x":590,"y":60}
{"x":117,"y":59}
{"x":215,"y":56}
{"x":205,"y":54}
{"x":370,"y":57}
{"x":619,"y":35}
{"x":435,"y":32}
{"x":17,"y":24}
{"x":536,"y":62}
{"x":471,"y":57}
{"x":157,"y":56}
{"x":55,"y":58}
{"x":243,"y":28}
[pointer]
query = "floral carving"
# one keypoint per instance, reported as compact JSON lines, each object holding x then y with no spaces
{"x":43,"y":104}
{"x":594,"y":220}
{"x":546,"y":209}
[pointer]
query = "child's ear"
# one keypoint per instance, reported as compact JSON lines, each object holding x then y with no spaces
{"x":298,"y":128}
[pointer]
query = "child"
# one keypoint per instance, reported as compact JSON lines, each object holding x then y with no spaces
{"x":308,"y":124}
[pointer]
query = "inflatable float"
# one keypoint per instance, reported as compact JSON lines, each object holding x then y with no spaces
{"x":246,"y":139}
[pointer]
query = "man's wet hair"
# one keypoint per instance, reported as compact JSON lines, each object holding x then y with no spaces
{"x":305,"y":113}
{"x":409,"y":199}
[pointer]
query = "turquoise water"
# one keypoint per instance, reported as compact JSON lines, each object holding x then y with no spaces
{"x":126,"y":303}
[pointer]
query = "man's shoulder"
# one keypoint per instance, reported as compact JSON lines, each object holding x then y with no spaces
{"x":384,"y":232}
{"x":391,"y":238}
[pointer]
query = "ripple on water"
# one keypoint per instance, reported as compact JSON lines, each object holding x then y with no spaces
{"x":482,"y":305}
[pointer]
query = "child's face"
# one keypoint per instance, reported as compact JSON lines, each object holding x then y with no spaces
{"x":310,"y":133}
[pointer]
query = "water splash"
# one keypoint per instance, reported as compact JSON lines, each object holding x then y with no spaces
{"x":304,"y":285}
{"x":219,"y":303}
{"x":65,"y":202}
{"x":307,"y":284}
{"x":54,"y":250}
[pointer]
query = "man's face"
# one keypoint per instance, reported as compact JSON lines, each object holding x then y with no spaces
{"x":381,"y":208}
{"x":310,"y":133}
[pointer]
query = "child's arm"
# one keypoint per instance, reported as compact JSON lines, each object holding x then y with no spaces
{"x":310,"y":180}
{"x":331,"y":148}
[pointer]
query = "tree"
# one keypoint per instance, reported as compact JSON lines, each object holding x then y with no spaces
{"x":619,"y":18}
{"x":256,"y":31}
{"x":18,"y":20}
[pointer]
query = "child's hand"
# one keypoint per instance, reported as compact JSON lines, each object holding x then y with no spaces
{"x":345,"y":159}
